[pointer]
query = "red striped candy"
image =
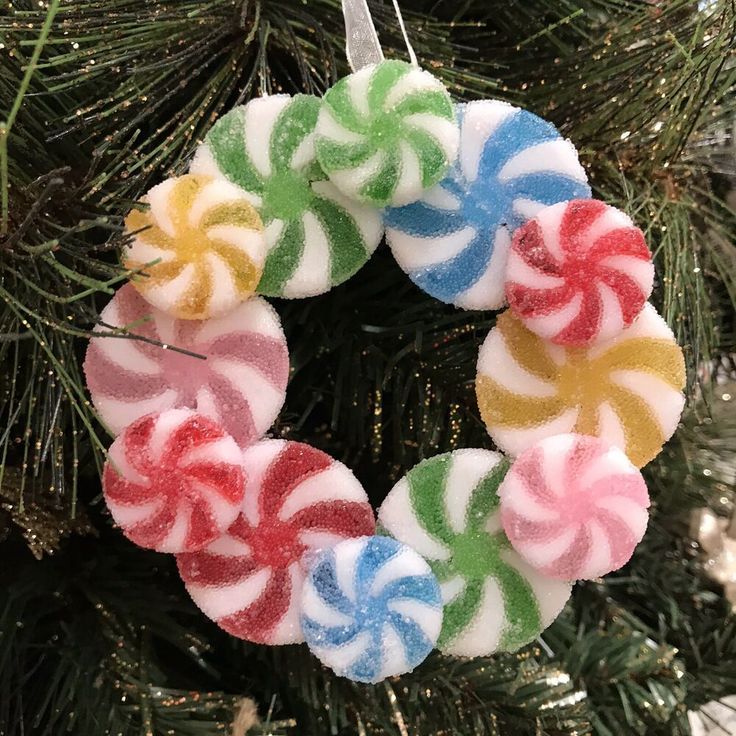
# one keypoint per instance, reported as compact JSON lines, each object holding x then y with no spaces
{"x":579,"y":272}
{"x":297,"y":499}
{"x":174,"y":481}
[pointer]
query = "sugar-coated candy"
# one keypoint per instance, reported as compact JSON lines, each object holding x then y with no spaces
{"x":627,"y":390}
{"x":174,"y":481}
{"x":200,"y":247}
{"x":371,"y":608}
{"x":234,"y":371}
{"x":316,"y":237}
{"x":386,"y":133}
{"x":574,"y":507}
{"x":454,"y":242}
{"x":297,"y":499}
{"x":446,"y":508}
{"x":579,"y":272}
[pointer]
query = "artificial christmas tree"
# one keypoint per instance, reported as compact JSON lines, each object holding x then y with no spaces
{"x":101,"y":99}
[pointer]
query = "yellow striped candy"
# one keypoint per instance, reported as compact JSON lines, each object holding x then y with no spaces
{"x":627,"y":391}
{"x":199,"y":248}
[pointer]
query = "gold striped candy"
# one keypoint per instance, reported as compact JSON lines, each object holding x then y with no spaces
{"x":627,"y":391}
{"x":199,"y":248}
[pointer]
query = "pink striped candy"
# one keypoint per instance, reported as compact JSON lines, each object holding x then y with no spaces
{"x":239,"y":380}
{"x":574,"y":507}
{"x":174,"y":481}
{"x":297,"y":500}
{"x":579,"y":272}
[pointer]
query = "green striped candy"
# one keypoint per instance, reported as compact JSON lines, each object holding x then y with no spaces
{"x":446,"y":508}
{"x":387,"y":133}
{"x":317,"y":237}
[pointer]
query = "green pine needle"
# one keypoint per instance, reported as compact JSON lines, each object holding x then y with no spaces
{"x":102,"y":98}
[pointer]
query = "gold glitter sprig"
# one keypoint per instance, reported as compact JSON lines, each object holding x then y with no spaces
{"x":37,"y":513}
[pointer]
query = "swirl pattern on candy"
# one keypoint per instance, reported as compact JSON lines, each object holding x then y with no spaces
{"x":297,"y":499}
{"x":173,"y":481}
{"x":574,"y":507}
{"x":386,"y":133}
{"x":241,"y":382}
{"x":317,"y":238}
{"x":446,"y":508}
{"x":453,"y":243}
{"x":627,"y":391}
{"x":579,"y":272}
{"x":200,"y":247}
{"x":371,"y":608}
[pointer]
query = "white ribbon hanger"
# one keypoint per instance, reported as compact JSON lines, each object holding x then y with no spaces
{"x":362,"y":46}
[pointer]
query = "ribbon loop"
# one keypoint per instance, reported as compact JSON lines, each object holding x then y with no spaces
{"x":362,"y":46}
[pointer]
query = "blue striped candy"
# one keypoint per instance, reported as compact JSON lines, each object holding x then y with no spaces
{"x":371,"y":608}
{"x":453,"y":242}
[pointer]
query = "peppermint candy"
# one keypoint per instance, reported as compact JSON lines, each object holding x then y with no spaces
{"x":627,"y":391}
{"x":316,"y":237}
{"x":235,"y":369}
{"x":579,"y":272}
{"x":453,"y":243}
{"x":371,"y":608}
{"x":574,"y":507}
{"x":446,"y":508}
{"x":386,"y":133}
{"x":173,"y":481}
{"x":200,"y":247}
{"x":297,"y":499}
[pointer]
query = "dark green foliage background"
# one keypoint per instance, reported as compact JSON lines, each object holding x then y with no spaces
{"x":100,"y":638}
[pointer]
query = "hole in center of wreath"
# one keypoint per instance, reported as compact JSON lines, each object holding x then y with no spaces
{"x":276,"y":545}
{"x":474,"y":554}
{"x":286,"y":195}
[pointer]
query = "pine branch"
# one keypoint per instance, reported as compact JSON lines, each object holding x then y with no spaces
{"x":112,"y":682}
{"x":122,"y":93}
